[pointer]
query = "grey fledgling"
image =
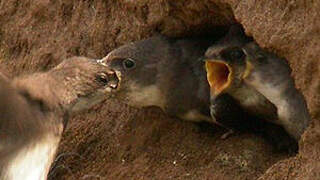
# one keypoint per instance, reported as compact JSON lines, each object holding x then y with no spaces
{"x":235,"y":117}
{"x":34,"y":110}
{"x":271,"y":76}
{"x":164,"y":72}
{"x":260,"y":82}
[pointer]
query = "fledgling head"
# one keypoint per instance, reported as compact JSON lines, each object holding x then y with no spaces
{"x":137,"y":67}
{"x":84,"y":75}
{"x":225,"y":61}
{"x":75,"y":84}
{"x":225,"y":70}
{"x":228,"y":67}
{"x":87,"y":81}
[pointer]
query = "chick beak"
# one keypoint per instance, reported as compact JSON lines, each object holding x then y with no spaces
{"x":247,"y":70}
{"x":219,"y":75}
{"x":110,"y":78}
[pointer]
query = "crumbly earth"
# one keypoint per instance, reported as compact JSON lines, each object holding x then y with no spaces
{"x":113,"y":141}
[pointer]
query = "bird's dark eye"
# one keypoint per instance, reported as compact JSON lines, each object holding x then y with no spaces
{"x":237,"y":54}
{"x":128,"y":63}
{"x":233,"y":54}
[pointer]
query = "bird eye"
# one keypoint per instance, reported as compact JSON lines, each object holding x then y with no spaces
{"x":237,"y":54}
{"x":129,"y":63}
{"x":234,"y":54}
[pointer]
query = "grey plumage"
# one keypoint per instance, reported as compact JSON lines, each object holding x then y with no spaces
{"x":258,"y":80}
{"x":271,"y":76}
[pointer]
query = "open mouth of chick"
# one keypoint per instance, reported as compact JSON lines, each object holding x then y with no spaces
{"x":218,"y":76}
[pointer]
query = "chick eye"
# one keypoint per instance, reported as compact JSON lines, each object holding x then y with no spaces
{"x":234,"y":54}
{"x":128,"y":63}
{"x":237,"y":54}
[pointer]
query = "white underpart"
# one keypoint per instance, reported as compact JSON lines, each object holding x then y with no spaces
{"x":273,"y":94}
{"x":33,"y":162}
{"x":195,"y":116}
{"x":145,"y":96}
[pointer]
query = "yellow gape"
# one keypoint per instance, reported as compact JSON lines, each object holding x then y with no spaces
{"x":219,"y":76}
{"x":248,"y":70}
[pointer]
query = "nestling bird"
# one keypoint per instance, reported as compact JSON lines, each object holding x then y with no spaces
{"x":260,"y":82}
{"x":34,"y":110}
{"x":164,"y":72}
{"x":271,"y":76}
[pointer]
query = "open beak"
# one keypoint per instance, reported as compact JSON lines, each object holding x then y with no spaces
{"x":111,"y":79}
{"x":219,"y":75}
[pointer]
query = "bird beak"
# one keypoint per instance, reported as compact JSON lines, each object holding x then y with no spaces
{"x":219,"y":75}
{"x":249,"y":66}
{"x":112,"y":77}
{"x":248,"y":70}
